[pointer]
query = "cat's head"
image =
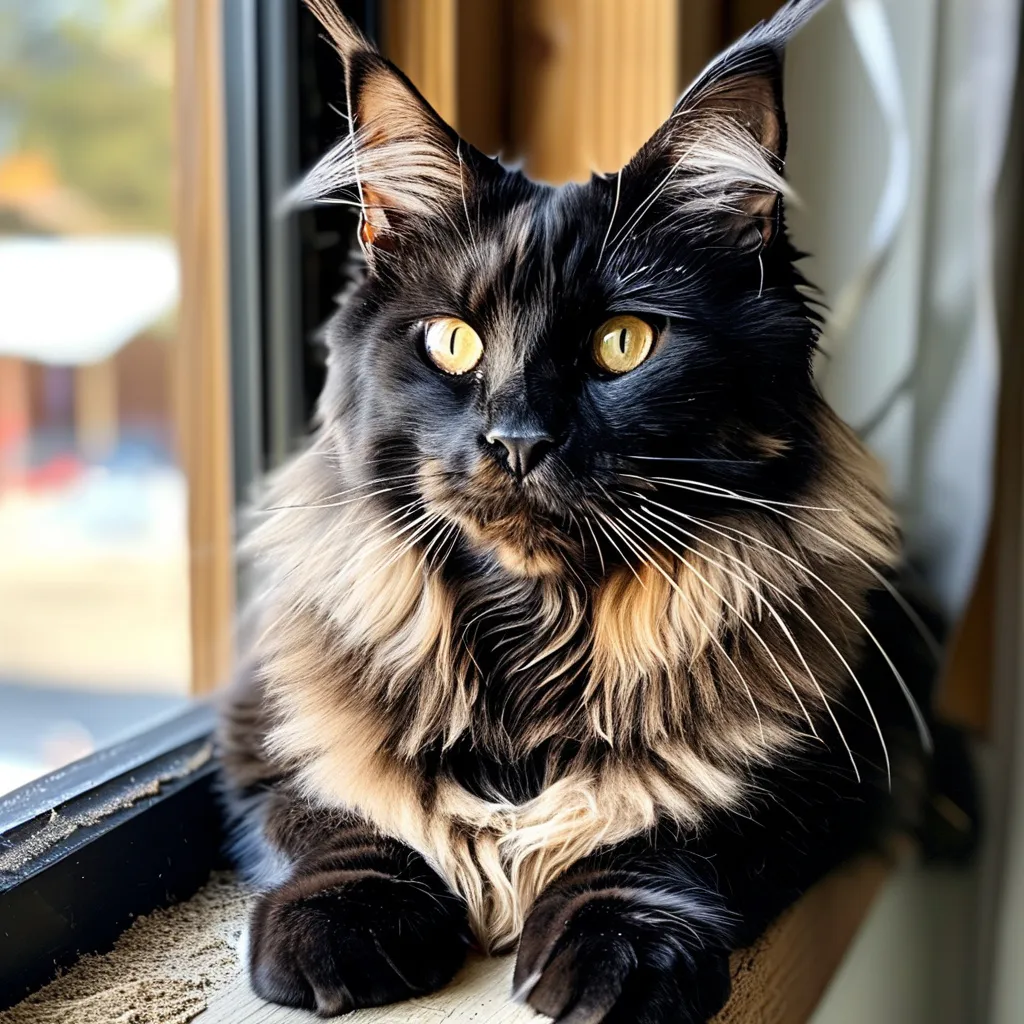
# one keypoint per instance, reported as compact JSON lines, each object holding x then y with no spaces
{"x":546,"y":368}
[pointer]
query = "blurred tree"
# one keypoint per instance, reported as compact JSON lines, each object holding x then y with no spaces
{"x":86,"y":85}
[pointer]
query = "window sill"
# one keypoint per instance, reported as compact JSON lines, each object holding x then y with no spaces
{"x":182,"y":964}
{"x":778,"y":981}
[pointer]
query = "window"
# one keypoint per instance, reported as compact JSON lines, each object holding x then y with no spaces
{"x":116,"y":587}
{"x":94,"y":613}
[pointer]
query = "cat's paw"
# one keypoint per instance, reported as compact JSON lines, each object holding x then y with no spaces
{"x":335,"y":942}
{"x":619,"y":957}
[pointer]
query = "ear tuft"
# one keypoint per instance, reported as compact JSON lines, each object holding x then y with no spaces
{"x":398,"y":158}
{"x":345,"y":37}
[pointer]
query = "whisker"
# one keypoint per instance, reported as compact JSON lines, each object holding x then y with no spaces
{"x":422,"y":527}
{"x":791,"y":638}
{"x":771,"y":654}
{"x":611,"y":540}
{"x":576,"y":525}
{"x":413,"y":579}
{"x":382,"y":527}
{"x":672,"y":458}
{"x":380,"y":522}
{"x":796,"y":604}
{"x":451,"y":547}
{"x":597,"y":546}
{"x":711,"y":634}
{"x":355,"y":164}
{"x":716,"y":490}
{"x":435,"y":542}
{"x":934,"y":647}
{"x":645,"y":205}
{"x":382,"y":532}
{"x":462,"y":189}
{"x":439,"y":539}
{"x":575,"y":572}
{"x":615,"y":210}
{"x":922,"y":726}
{"x":329,"y":503}
{"x":385,"y":535}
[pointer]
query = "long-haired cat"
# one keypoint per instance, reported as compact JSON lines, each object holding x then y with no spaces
{"x":574,"y":626}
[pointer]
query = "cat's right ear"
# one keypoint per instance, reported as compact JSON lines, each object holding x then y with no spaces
{"x":398,"y":158}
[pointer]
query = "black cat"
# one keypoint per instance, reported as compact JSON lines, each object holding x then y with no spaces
{"x":576,"y":625}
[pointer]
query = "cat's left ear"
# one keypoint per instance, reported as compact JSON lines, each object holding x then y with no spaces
{"x":724,"y":147}
{"x":398,"y":158}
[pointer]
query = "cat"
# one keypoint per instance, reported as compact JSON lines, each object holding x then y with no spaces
{"x":575,"y":628}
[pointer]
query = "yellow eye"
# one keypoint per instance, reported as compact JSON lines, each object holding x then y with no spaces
{"x":453,"y":345}
{"x":622,"y":343}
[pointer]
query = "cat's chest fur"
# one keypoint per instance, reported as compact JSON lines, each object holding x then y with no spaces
{"x":505,"y":766}
{"x":506,"y":727}
{"x":486,"y":776}
{"x":498,"y":832}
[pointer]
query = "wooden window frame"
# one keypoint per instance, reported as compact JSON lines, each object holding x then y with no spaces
{"x":203,"y":378}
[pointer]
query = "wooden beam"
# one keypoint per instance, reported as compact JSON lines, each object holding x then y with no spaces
{"x":483,"y":84}
{"x":702,"y":26}
{"x":965,"y":697}
{"x":15,"y":417}
{"x":419,"y":36}
{"x":592,"y":79}
{"x":781,"y":979}
{"x":204,"y":386}
{"x":745,"y":14}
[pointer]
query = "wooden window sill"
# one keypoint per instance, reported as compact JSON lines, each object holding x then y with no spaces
{"x":779,"y":981}
{"x":182,"y":964}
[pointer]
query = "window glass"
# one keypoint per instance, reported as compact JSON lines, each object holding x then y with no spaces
{"x":94,"y":625}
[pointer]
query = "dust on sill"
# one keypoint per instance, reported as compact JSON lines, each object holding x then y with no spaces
{"x":163,"y":970}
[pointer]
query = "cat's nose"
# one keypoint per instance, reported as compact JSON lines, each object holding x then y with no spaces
{"x":522,"y":450}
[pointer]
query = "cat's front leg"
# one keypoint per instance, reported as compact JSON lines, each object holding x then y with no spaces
{"x":639,"y":937}
{"x":362,"y":920}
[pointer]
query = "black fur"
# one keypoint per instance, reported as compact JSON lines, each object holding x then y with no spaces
{"x":589,"y":940}
{"x":362,"y":922}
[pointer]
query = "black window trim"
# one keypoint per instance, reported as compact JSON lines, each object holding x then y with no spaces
{"x":86,"y":849}
{"x":79,"y":778}
{"x":136,"y":826}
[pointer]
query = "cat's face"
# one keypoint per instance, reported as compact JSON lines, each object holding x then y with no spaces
{"x":523,"y":365}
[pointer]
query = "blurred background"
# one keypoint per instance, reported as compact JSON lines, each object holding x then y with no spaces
{"x":94,"y":633}
{"x":157,"y":351}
